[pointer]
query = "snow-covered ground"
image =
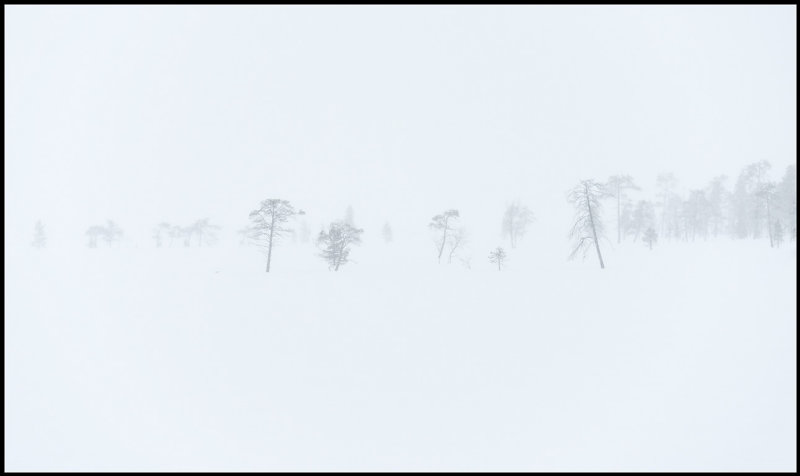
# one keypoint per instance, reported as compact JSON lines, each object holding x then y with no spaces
{"x":137,"y":358}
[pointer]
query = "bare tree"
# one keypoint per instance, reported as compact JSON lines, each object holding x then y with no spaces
{"x":39,"y":237}
{"x":336,"y":243}
{"x":205,"y":231}
{"x":616,"y":187}
{"x":588,"y":227}
{"x":269,"y":223}
{"x":443,"y":222}
{"x":650,"y":236}
{"x":515,"y":222}
{"x":498,"y":256}
{"x":455,"y":240}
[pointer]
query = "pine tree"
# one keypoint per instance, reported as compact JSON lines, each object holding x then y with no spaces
{"x":269,"y":223}
{"x":616,"y":187}
{"x":650,"y":237}
{"x":497,"y":256}
{"x":336,"y":243}
{"x":443,"y":222}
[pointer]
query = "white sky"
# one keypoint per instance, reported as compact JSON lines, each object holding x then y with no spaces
{"x":143,"y":114}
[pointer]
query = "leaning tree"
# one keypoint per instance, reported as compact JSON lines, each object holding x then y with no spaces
{"x":588,"y":228}
{"x":443,"y":223}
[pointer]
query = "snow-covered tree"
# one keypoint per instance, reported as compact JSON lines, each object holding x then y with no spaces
{"x":443,"y":223}
{"x":497,"y":256}
{"x":269,"y":223}
{"x":336,"y":243}
{"x":588,"y":227}
{"x":39,"y":237}
{"x":650,"y":237}
{"x":515,"y":222}
{"x":616,"y":185}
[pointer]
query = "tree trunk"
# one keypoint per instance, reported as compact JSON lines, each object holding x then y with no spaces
{"x":769,"y":225}
{"x":619,"y":225}
{"x":339,"y":255}
{"x":594,"y":232}
{"x":444,"y":239}
{"x":271,"y":234}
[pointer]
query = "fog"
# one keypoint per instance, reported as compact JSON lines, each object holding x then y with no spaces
{"x":144,"y":114}
{"x":506,"y":147}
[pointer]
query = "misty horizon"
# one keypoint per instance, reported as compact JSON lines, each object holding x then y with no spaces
{"x":400,"y":238}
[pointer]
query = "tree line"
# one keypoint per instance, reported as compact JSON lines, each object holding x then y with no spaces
{"x":756,"y":206}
